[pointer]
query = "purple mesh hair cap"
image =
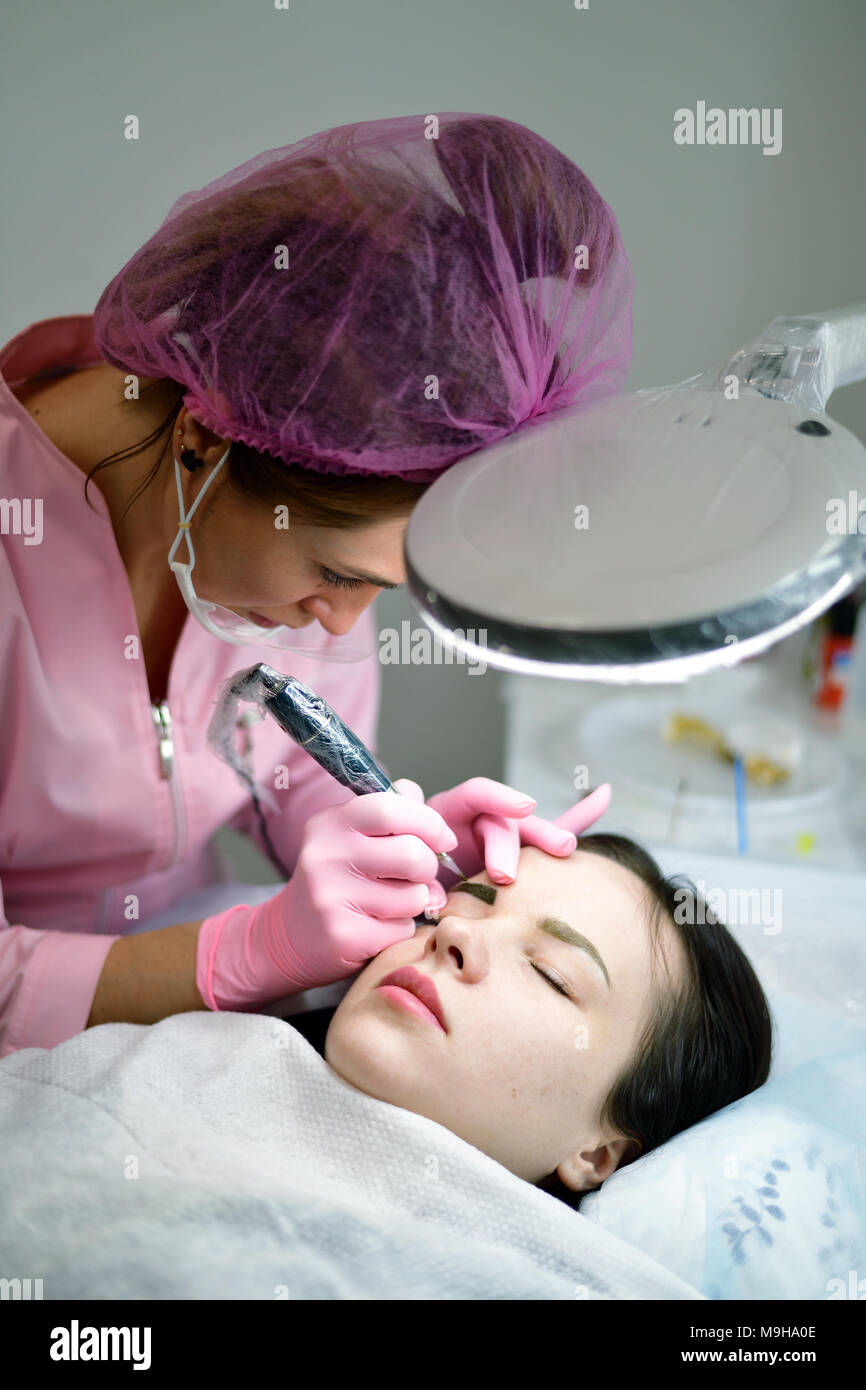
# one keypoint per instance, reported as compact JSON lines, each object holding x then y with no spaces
{"x":381,"y":298}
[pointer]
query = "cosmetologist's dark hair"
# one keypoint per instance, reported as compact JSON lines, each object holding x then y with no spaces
{"x":315,"y":498}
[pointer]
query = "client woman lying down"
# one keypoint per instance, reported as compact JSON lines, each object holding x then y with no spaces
{"x":563,"y":1024}
{"x":583,"y":1017}
{"x":536,"y":1037}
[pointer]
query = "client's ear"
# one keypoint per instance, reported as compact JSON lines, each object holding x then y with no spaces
{"x":583,"y":1171}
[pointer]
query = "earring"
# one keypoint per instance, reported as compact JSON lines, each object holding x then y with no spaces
{"x":189,"y":459}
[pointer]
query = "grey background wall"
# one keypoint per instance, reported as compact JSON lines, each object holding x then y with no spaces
{"x":721,"y":239}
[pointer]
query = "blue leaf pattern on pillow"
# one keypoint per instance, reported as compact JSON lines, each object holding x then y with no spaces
{"x":736,"y":1234}
{"x":753,"y":1217}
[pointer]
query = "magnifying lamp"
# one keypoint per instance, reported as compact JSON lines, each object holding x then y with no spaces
{"x":654,"y":535}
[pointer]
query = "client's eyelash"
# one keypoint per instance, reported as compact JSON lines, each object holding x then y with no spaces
{"x":554,"y":980}
{"x":339,"y":580}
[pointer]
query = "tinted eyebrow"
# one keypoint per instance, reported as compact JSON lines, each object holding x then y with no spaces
{"x":564,"y":932}
{"x":478,"y":890}
{"x":552,"y":925}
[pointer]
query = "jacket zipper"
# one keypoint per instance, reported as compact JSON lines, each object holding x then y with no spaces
{"x":168,"y":770}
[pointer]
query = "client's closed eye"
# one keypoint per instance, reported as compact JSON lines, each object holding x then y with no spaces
{"x":554,"y":980}
{"x":487,"y":895}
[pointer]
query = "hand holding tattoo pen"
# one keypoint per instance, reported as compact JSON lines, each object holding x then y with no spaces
{"x":311,"y":722}
{"x":345,"y":901}
{"x":366,"y":868}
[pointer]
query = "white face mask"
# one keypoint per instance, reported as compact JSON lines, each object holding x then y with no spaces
{"x":311,"y":640}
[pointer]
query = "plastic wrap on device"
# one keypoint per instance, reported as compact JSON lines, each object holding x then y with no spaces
{"x":306,"y":718}
{"x":801,"y":360}
{"x":227,"y":719}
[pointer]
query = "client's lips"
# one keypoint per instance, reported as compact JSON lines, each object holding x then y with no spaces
{"x":421,"y":986}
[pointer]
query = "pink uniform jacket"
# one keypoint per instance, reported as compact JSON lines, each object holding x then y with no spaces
{"x":92,"y":809}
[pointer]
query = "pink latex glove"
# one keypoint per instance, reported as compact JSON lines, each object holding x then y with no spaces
{"x":366,"y":869}
{"x":492,"y":821}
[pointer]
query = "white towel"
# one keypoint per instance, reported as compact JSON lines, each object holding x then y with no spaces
{"x":219,"y":1156}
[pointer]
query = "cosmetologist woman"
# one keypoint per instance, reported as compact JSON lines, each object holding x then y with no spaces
{"x":217,"y":468}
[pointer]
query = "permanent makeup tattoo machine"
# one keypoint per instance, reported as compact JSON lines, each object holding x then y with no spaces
{"x":311,"y":722}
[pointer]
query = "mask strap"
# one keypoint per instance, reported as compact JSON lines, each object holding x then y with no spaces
{"x":183,"y":525}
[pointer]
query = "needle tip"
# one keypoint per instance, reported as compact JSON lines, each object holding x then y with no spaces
{"x":449,"y":864}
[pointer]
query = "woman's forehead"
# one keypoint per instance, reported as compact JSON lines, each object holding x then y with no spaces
{"x":591,"y":871}
{"x":599,"y":897}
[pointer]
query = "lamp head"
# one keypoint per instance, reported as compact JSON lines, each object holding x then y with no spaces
{"x":645,"y":538}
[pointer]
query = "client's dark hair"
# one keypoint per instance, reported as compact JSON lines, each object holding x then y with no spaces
{"x":703,"y":1045}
